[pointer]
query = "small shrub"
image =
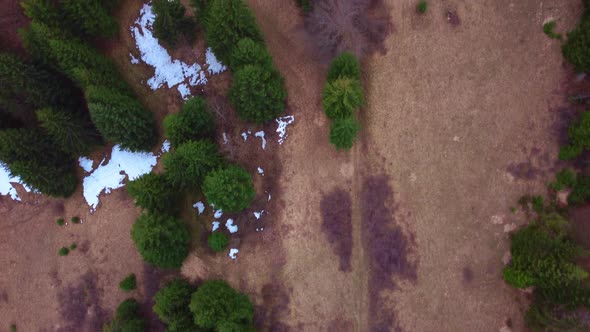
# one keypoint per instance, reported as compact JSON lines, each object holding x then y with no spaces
{"x":193,"y":123}
{"x":12,"y":327}
{"x":126,"y":318}
{"x":60,"y":222}
{"x":538,"y":204}
{"x":63,"y":251}
{"x":257,"y":93}
{"x":342,"y":97}
{"x":172,"y":306}
{"x":229,"y":189}
{"x":249,"y":52}
{"x":188,"y":165}
{"x":75,"y":220}
{"x":218,"y":241}
{"x":566,"y":178}
{"x":580,"y":190}
{"x":346,"y":65}
{"x":576,"y":48}
{"x":422,"y":7}
{"x":129,"y":283}
{"x":343,"y":133}
{"x":73,"y":246}
{"x":548,"y":29}
{"x":513,"y":209}
{"x":216,"y":305}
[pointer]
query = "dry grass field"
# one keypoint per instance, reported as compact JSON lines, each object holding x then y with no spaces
{"x":406,"y":232}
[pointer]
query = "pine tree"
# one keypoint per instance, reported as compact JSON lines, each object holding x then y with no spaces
{"x":68,"y":132}
{"x":89,"y":18}
{"x":154,"y":193}
{"x":191,"y":162}
{"x":229,"y":189}
{"x":193,"y":123}
{"x":170,"y":21}
{"x":249,"y":52}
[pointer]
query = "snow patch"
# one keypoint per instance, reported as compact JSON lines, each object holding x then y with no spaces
{"x":258,"y":215}
{"x":283,"y":122}
{"x":260,"y":135}
{"x":215,"y":226}
{"x":218,"y":214}
{"x":269,"y":196}
{"x":6,"y":187}
{"x":213,"y":65}
{"x":111,"y":175}
{"x":86,"y":164}
{"x":260,"y":171}
{"x":225,"y":140}
{"x":200,"y":207}
{"x":184,"y":90}
{"x":165,"y":146}
{"x":134,"y":60}
{"x":233,"y":252}
{"x":229,"y":224}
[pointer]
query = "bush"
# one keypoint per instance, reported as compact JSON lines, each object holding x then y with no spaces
{"x":576,"y":48}
{"x":343,"y":133}
{"x":249,"y":52}
{"x":580,"y":190}
{"x":342,"y":97}
{"x":12,"y":327}
{"x":229,"y":189}
{"x":421,"y":7}
{"x":215,"y":305}
{"x":227,"y":22}
{"x":63,"y":251}
{"x":170,"y":21}
{"x":127,"y":318}
{"x":68,"y":132}
{"x":565,"y":178}
{"x":172,"y":306}
{"x":60,"y":222}
{"x":548,"y":30}
{"x":161,"y":240}
{"x":257,"y":93}
{"x":579,"y":138}
{"x":345,"y":65}
{"x":154,"y":193}
{"x":218,"y":241}
{"x":129,"y":283}
{"x":190,"y":163}
{"x":538,"y":204}
{"x":75,"y":220}
{"x":73,"y":246}
{"x":305,"y":5}
{"x":193,"y":123}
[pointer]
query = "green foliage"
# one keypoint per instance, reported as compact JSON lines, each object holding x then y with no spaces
{"x":216,"y":306}
{"x":63,"y":251}
{"x":170,"y":21}
{"x":154,"y":193}
{"x":538,"y":204}
{"x":73,"y":246}
{"x":576,"y":48}
{"x":566,"y":178}
{"x":548,"y":29}
{"x":60,"y":222}
{"x":12,"y":327}
{"x":342,"y":97}
{"x":75,"y":220}
{"x":190,"y":163}
{"x":172,"y":306}
{"x":218,"y":241}
{"x":229,"y":189}
{"x":305,"y":5}
{"x":579,"y":138}
{"x":161,"y":240}
{"x":193,"y":123}
{"x":226,"y":23}
{"x":422,"y":7}
{"x":542,"y":317}
{"x":257,"y":93}
{"x":343,"y":132}
{"x":121,"y":119}
{"x":126,"y":318}
{"x":580,"y":191}
{"x":249,"y":52}
{"x":68,"y":132}
{"x":346,"y":65}
{"x":129,"y":283}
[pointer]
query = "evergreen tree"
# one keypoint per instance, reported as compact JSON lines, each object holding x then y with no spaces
{"x":154,"y":193}
{"x":68,"y":132}
{"x":191,"y":162}
{"x":89,"y":18}
{"x":345,"y":65}
{"x":121,"y":119}
{"x":249,"y":52}
{"x":229,"y":189}
{"x":342,"y":97}
{"x":170,"y":21}
{"x":127,"y":318}
{"x":343,"y":132}
{"x":193,"y":123}
{"x":217,"y":241}
{"x":172,"y":306}
{"x":161,"y":240}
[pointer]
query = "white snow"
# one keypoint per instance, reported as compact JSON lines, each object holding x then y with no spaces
{"x":200,"y":207}
{"x":217,"y":214}
{"x":6,"y":187}
{"x":230,"y":226}
{"x":258,"y":215}
{"x":283,"y":122}
{"x":184,"y":90}
{"x":233,"y":253}
{"x":225,"y":140}
{"x":260,"y":229}
{"x":134,"y":60}
{"x":111,"y":175}
{"x":269,"y":196}
{"x":245,"y":136}
{"x":260,"y":134}
{"x":213,"y":65}
{"x":165,"y":146}
{"x":260,"y":171}
{"x":215,"y":226}
{"x":86,"y":164}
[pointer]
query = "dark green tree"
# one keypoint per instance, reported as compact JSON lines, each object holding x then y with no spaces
{"x":217,"y":306}
{"x":576,"y":48}
{"x":342,"y":97}
{"x":217,"y":241}
{"x":188,"y":165}
{"x":155,"y":193}
{"x":345,"y":65}
{"x":129,"y":283}
{"x":121,"y":119}
{"x":193,"y":123}
{"x":127,"y":318}
{"x":170,"y":21}
{"x":249,"y":52}
{"x":68,"y":131}
{"x":258,"y":94}
{"x":161,"y":240}
{"x":227,"y":22}
{"x":343,"y":132}
{"x":229,"y":189}
{"x":172,"y":306}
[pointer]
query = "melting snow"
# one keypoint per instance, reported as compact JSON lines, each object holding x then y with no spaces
{"x":260,"y":171}
{"x":260,"y":134}
{"x":184,"y":90}
{"x":260,"y":229}
{"x":107,"y":177}
{"x":218,"y":214}
{"x":225,"y":140}
{"x":258,"y":215}
{"x":200,"y":207}
{"x":213,"y":65}
{"x":6,"y":187}
{"x":165,"y":146}
{"x":215,"y":226}
{"x":134,"y":60}
{"x":283,"y":122}
{"x":233,"y":252}
{"x":86,"y":164}
{"x":230,"y":226}
{"x":269,"y":196}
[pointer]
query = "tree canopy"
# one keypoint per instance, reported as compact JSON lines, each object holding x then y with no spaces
{"x":229,"y":189}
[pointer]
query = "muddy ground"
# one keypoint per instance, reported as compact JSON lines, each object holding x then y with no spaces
{"x":460,"y":121}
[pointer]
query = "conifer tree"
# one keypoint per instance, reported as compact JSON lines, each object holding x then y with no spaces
{"x":170,"y":21}
{"x":69,"y":133}
{"x":191,"y":162}
{"x":193,"y":123}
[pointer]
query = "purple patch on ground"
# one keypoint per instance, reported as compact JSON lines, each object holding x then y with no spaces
{"x":79,"y":305}
{"x":336,"y":210}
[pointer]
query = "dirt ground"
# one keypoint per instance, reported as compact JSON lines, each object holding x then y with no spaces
{"x":459,"y":123}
